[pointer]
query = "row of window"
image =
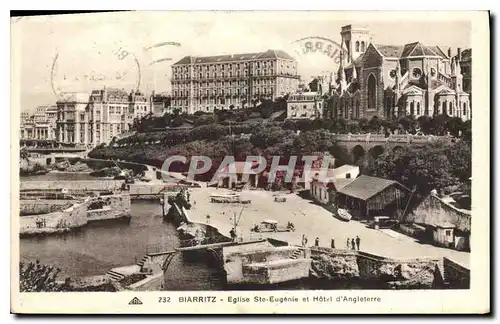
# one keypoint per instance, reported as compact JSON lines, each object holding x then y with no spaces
{"x":360,"y":46}
{"x":214,"y":75}
{"x":222,"y":92}
{"x":232,"y":66}
{"x":225,"y":84}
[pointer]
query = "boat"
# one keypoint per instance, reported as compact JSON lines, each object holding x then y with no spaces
{"x":344,"y":214}
{"x":225,"y":198}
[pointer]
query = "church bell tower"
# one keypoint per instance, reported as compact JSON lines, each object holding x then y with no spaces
{"x":356,"y":40}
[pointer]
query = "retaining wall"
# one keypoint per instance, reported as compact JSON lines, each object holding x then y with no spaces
{"x":45,"y":206}
{"x":434,"y":211}
{"x":456,"y":275}
{"x":116,"y":206}
{"x":80,"y":185}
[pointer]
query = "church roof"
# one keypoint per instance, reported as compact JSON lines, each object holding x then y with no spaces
{"x":389,"y":50}
{"x":412,"y":89}
{"x":438,"y":51}
{"x":358,"y":62}
{"x":269,"y":54}
{"x":417,"y":49}
{"x":446,"y":91}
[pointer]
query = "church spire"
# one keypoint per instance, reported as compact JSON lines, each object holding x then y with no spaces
{"x":452,"y":66}
{"x":458,"y":70}
{"x":354,"y":73}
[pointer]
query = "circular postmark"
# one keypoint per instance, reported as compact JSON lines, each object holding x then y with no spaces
{"x":318,"y":56}
{"x":86,"y":65}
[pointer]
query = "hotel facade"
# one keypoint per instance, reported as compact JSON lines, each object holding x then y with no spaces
{"x":39,"y":126}
{"x":84,"y":119}
{"x":231,"y":81}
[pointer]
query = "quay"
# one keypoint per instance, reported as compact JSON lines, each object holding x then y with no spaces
{"x":311,"y":220}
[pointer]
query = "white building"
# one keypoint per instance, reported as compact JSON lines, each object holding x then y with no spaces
{"x":339,"y":177}
{"x":97,"y":118}
{"x":41,"y":125}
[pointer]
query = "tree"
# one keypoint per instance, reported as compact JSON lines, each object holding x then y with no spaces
{"x":460,"y":154}
{"x":425,"y":124}
{"x":266,"y":109}
{"x":426,"y":167}
{"x":35,"y":277}
{"x":374,"y":124}
{"x":408,"y":123}
{"x":454,"y":126}
{"x":177,"y":121}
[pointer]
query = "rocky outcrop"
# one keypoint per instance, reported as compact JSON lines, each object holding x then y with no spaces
{"x":398,"y":274}
{"x":334,"y":264}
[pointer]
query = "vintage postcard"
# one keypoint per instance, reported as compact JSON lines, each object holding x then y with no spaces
{"x":250,"y":162}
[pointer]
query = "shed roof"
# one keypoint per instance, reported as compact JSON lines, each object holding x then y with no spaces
{"x":365,"y":187}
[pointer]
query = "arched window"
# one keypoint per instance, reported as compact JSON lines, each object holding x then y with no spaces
{"x":464,"y":109}
{"x":346,"y":112}
{"x":412,"y":108}
{"x":418,"y":108}
{"x":362,"y":46}
{"x":443,"y":108}
{"x":372,"y":91}
{"x":357,"y":46}
{"x":450,"y":108}
{"x":357,"y":109}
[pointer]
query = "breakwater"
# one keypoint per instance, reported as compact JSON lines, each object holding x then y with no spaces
{"x":56,"y":216}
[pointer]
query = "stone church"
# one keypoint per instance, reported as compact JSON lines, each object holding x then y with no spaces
{"x":391,"y":81}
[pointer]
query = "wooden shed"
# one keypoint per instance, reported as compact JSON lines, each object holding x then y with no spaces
{"x":367,"y":197}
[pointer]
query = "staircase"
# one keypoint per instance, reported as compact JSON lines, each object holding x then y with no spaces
{"x":143,"y":260}
{"x":114,"y":276}
{"x":296,"y":254}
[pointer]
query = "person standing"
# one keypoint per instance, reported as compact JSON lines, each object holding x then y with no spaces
{"x":353,"y":244}
{"x":358,"y":240}
{"x":332,"y":244}
{"x":316,"y":242}
{"x":232,"y":232}
{"x":348,"y":245}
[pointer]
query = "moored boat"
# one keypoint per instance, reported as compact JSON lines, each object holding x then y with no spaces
{"x":344,"y":214}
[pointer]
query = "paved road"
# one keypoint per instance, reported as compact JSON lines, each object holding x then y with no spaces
{"x":313,"y":221}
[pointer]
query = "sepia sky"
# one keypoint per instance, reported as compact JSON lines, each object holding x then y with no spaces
{"x":86,"y":51}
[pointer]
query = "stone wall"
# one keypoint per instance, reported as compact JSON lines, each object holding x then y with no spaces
{"x":432,"y":210}
{"x":45,"y":206}
{"x":262,"y":263}
{"x":72,"y":217}
{"x":86,"y":281}
{"x":456,"y":275}
{"x":81,"y":185}
{"x":115,"y":206}
{"x":147,"y":188}
{"x":293,"y":270}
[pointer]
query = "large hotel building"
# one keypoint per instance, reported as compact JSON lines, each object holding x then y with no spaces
{"x":231,"y":81}
{"x":96,"y":119}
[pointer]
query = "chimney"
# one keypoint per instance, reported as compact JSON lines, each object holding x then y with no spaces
{"x":459,"y":54}
{"x":449,"y":52}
